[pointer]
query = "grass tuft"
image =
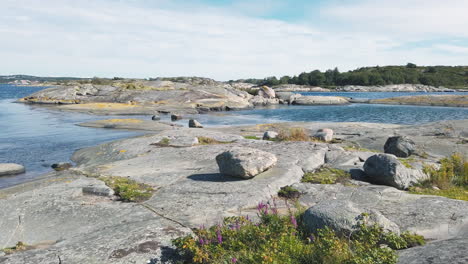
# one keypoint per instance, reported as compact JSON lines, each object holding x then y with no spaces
{"x":128,"y":190}
{"x":326,"y":175}
{"x":289,"y":192}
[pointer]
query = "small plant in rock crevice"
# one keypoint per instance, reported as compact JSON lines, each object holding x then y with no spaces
{"x":128,"y":190}
{"x":326,"y":175}
{"x":289,"y":192}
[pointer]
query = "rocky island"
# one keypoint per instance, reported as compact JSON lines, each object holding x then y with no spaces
{"x":148,"y":199}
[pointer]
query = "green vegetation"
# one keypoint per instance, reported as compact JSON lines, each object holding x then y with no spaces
{"x":407,"y":162}
{"x":326,"y":175}
{"x":20,"y":246}
{"x":127,"y":189}
{"x":456,"y":76}
{"x":164,"y":142}
{"x":210,"y":141}
{"x":293,"y":134}
{"x":251,"y":137}
{"x":450,"y":180}
{"x":289,"y":192}
{"x":284,"y":239}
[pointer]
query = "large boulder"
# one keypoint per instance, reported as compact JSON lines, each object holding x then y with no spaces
{"x":344,"y":217}
{"x":440,"y":252}
{"x":156,"y":118}
{"x":266,"y":92}
{"x":11,"y":169}
{"x":386,"y":169}
{"x":175,"y":117}
{"x":399,"y":146}
{"x":324,"y":134}
{"x":194,"y":124}
{"x":245,"y":163}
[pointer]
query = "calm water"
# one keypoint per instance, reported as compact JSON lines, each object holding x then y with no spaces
{"x":38,"y":137}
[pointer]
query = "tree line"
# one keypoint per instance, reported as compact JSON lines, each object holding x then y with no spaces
{"x":449,"y":76}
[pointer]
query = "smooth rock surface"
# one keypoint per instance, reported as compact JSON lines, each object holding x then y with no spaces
{"x":11,"y":169}
{"x":320,"y":100}
{"x":386,"y":169}
{"x":245,"y":163}
{"x":344,"y":217}
{"x":266,"y":92}
{"x":453,"y":251}
{"x":400,"y":146}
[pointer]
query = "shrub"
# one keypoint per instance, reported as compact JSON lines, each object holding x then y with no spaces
{"x":284,"y":239}
{"x":293,"y":134}
{"x":326,"y":175}
{"x":451,"y":179}
{"x":128,"y":190}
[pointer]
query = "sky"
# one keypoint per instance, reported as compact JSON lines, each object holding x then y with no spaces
{"x":226,"y":39}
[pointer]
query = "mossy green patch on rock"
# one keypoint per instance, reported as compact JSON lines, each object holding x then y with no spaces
{"x":20,"y":246}
{"x":326,"y":175}
{"x":289,"y":192}
{"x":210,"y":141}
{"x":127,"y":189}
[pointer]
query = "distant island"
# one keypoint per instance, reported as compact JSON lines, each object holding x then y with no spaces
{"x":447,"y":76}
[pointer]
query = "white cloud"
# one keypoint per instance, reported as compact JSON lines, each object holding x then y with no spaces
{"x":128,"y":38}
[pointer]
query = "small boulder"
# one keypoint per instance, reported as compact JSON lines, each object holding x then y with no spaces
{"x":399,"y":146}
{"x":344,"y":217}
{"x":194,"y":124}
{"x":386,"y":169}
{"x":245,"y":163}
{"x":175,"y":117}
{"x":11,"y":169}
{"x":61,"y":166}
{"x":269,"y":135}
{"x":156,"y":118}
{"x":324,"y":134}
{"x":266,"y":92}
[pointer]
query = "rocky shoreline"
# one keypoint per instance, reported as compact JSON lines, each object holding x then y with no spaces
{"x":73,"y":216}
{"x":200,"y":95}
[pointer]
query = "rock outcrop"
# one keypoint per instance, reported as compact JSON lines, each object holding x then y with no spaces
{"x":194,"y":124}
{"x":320,"y":100}
{"x":324,"y":134}
{"x":245,"y":163}
{"x":386,"y":169}
{"x":269,"y":135}
{"x":11,"y":169}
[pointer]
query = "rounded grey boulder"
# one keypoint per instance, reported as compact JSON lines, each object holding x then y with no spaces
{"x":194,"y":124}
{"x":175,"y":117}
{"x":156,"y":118}
{"x":324,"y":134}
{"x":344,"y":217}
{"x":399,"y":146}
{"x":386,"y":169}
{"x":245,"y":163}
{"x":11,"y":169}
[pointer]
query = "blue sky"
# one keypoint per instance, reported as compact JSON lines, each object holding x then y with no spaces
{"x":226,"y":39}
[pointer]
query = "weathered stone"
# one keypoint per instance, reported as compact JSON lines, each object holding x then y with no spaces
{"x":245,"y":163}
{"x":439,"y":252}
{"x":269,"y":135}
{"x":194,"y":124}
{"x":99,"y":190}
{"x":266,"y":92}
{"x":61,"y":166}
{"x":324,"y":134}
{"x":344,"y":217}
{"x":11,"y":169}
{"x":175,"y":117}
{"x":399,"y":146}
{"x":386,"y":169}
{"x":156,"y":118}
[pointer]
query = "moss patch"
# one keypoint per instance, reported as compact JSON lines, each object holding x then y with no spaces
{"x":127,"y":189}
{"x":252,"y":137}
{"x":289,"y":192}
{"x":211,"y":141}
{"x":20,"y":246}
{"x":459,"y":193}
{"x":327,"y":176}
